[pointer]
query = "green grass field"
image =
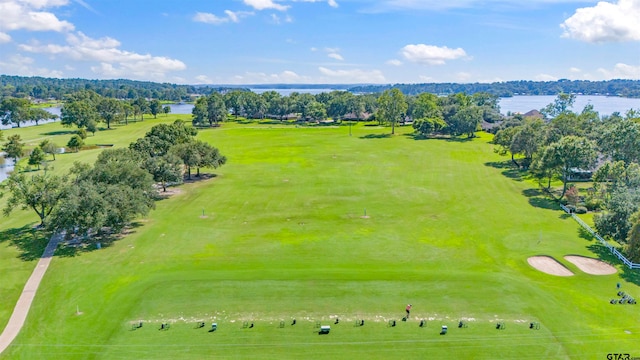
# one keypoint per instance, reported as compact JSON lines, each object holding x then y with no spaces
{"x":448,"y":228}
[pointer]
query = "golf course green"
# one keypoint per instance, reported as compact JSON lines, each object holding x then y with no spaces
{"x":312,"y":224}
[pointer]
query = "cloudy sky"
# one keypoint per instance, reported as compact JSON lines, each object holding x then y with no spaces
{"x":321,"y":41}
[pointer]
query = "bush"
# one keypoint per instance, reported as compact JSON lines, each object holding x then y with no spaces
{"x":572,"y":209}
{"x":581,"y":210}
{"x":593,"y":204}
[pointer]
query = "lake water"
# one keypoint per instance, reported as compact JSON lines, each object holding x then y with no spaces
{"x":6,"y":166}
{"x":605,"y":105}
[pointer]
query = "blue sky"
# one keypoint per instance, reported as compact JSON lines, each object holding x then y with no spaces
{"x":321,"y":41}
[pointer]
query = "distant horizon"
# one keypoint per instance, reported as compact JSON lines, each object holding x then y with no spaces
{"x":320,"y":85}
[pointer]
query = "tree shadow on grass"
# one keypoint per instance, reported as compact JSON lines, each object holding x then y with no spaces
{"x":539,"y":199}
{"x":60,"y":132}
{"x":508,"y":170}
{"x":376,"y":136}
{"x":630,"y":275}
{"x":72,"y":247}
{"x":30,"y":241}
{"x":584,"y":234}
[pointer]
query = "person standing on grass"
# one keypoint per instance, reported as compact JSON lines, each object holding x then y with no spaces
{"x":408,"y":309}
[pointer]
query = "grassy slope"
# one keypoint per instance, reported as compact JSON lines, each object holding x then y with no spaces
{"x":18,"y":254}
{"x":284,"y":238}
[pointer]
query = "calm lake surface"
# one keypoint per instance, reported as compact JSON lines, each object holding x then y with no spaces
{"x":605,"y":105}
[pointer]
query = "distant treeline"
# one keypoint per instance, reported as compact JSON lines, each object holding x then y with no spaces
{"x":624,"y":88}
{"x":51,"y":88}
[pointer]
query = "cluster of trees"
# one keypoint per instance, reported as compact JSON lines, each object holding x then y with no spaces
{"x":210,"y":110}
{"x":104,"y":198}
{"x":85,"y":109}
{"x":625,"y":88}
{"x":51,"y":88}
{"x":14,"y":149}
{"x":565,"y":144}
{"x":455,"y":114}
{"x":17,"y":111}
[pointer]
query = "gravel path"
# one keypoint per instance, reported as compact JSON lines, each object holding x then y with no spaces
{"x":28,"y":293}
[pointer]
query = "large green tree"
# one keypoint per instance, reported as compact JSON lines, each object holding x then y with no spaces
{"x":158,"y":140}
{"x":234,"y":100}
{"x":36,"y":157}
{"x":49,"y":147}
{"x":567,"y":155}
{"x":110,"y":110}
{"x":189,"y":153}
{"x":392,"y":106}
{"x":208,"y":156}
{"x":619,"y":139}
{"x":465,"y":121}
{"x":155,"y":107}
{"x":37,"y":114}
{"x":428,"y":126}
{"x":13,"y":111}
{"x":165,"y":169}
{"x":426,"y":107}
{"x":78,"y":113}
{"x":527,"y":140}
{"x":75,"y":143}
{"x":40,"y":193}
{"x":562,"y":104}
{"x":615,"y":221}
{"x":632,"y":250}
{"x":14,"y":147}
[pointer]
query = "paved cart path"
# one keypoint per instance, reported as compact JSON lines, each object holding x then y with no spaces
{"x":23,"y":305}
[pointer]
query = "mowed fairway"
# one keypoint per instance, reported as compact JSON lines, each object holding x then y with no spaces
{"x":284,"y":236}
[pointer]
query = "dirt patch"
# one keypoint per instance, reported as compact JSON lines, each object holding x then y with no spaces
{"x":170,"y":192}
{"x":591,"y":266}
{"x":549,"y":265}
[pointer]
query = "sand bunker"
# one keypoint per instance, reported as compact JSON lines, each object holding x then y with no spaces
{"x":591,"y":266}
{"x":549,"y":265}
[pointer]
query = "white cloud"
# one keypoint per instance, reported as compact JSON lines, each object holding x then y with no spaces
{"x":410,"y":5}
{"x":203,"y":79}
{"x":394,"y":62}
{"x":545,"y":77}
{"x":354,"y":75}
{"x":232,"y":16}
{"x":23,"y":66}
{"x":4,"y":38}
{"x":575,"y":70}
{"x":331,"y":3}
{"x":336,"y":56}
{"x":621,"y":71}
{"x":27,"y":15}
{"x":209,"y":18}
{"x":314,"y":49}
{"x":265,"y":4}
{"x":277,"y":20}
{"x":463,"y":76}
{"x":605,"y":22}
{"x":425,"y":78}
{"x":285,"y":77}
{"x":113,"y":61}
{"x":430,"y":54}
